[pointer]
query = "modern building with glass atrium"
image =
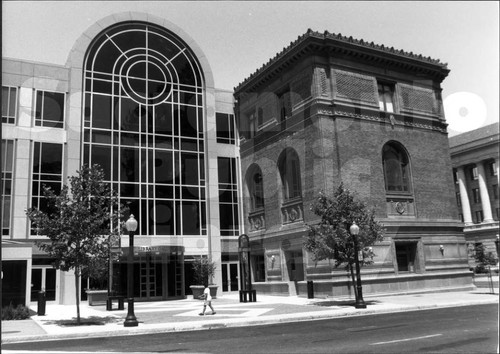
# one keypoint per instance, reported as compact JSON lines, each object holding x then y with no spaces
{"x":137,"y":97}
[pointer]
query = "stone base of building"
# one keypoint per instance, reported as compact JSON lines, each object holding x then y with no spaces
{"x":395,"y":284}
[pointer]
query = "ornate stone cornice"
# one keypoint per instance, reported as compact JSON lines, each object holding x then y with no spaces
{"x":313,"y":41}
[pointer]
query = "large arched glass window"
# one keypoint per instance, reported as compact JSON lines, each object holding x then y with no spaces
{"x":396,"y":168}
{"x":255,"y":186}
{"x":289,"y":169}
{"x":143,"y":123}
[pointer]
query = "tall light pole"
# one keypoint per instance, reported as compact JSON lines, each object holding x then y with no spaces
{"x":360,"y":303}
{"x":130,"y":320}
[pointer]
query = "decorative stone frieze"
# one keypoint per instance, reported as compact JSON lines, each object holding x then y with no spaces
{"x":292,"y":211}
{"x":257,"y":220}
{"x":397,"y":120}
{"x":400,"y":206}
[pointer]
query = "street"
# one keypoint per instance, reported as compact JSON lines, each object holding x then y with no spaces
{"x":466,"y":329}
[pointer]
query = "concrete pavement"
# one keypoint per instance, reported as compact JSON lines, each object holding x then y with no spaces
{"x":183,"y":315}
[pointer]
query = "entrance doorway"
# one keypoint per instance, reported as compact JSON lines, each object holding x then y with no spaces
{"x":43,"y":278}
{"x":158,"y":274}
{"x":150,"y":276}
{"x":406,"y":256}
{"x":295,"y":268}
{"x":230,"y":276}
{"x":295,"y":265}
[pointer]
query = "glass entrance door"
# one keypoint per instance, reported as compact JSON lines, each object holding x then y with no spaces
{"x":150,"y":277}
{"x":43,"y":279}
{"x":158,"y":275}
{"x":230,"y":277}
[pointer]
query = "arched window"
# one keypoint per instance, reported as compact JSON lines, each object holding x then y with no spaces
{"x":396,"y":168}
{"x":289,"y":169}
{"x":144,"y":124}
{"x":255,"y":186}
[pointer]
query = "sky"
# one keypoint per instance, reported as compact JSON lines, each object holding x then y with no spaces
{"x":238,"y":37}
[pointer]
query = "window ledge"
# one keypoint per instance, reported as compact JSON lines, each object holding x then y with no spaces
{"x":270,"y":123}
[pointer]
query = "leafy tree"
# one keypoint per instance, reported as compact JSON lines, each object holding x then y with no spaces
{"x":483,"y":259}
{"x":330,"y":238}
{"x":79,"y":223}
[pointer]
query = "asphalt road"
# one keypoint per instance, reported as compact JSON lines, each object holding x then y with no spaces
{"x":470,"y":329}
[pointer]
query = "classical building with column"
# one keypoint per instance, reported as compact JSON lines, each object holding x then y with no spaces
{"x":474,"y":157}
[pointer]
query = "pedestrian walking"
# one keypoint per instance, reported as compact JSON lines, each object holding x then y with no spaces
{"x":208,"y":300}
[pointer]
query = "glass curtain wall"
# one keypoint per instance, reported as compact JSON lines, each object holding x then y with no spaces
{"x":143,"y":123}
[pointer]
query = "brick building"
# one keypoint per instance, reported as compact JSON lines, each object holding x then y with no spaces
{"x":474,"y":158}
{"x":331,"y":109}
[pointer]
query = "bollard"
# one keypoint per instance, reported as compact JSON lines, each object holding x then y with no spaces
{"x":41,"y":303}
{"x":310,"y":289}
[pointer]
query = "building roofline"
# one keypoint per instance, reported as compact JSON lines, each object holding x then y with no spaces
{"x":313,"y":41}
{"x":483,"y":133}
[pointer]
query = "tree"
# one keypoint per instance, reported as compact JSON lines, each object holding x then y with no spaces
{"x":330,"y":237}
{"x":204,"y":270}
{"x":79,"y":222}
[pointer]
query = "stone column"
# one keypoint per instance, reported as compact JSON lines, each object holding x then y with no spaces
{"x":464,"y":198}
{"x":483,"y":191}
{"x":498,"y":174}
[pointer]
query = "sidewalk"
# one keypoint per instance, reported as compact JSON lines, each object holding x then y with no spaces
{"x":183,"y":315}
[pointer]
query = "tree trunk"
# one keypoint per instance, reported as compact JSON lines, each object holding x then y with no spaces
{"x":353,"y":282}
{"x":77,"y":287}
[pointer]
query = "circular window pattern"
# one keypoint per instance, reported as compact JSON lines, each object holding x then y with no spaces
{"x":146,"y":79}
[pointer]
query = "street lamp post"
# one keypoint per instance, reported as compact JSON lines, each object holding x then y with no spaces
{"x":360,"y":303}
{"x":130,"y":320}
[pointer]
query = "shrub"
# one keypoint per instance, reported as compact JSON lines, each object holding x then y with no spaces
{"x":10,"y":312}
{"x":204,"y":270}
{"x":483,"y":259}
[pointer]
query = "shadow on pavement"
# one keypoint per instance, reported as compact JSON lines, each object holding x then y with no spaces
{"x":84,"y":321}
{"x":344,"y":303}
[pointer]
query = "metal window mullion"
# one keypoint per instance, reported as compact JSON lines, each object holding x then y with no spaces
{"x":42,"y":98}
{"x":146,"y":48}
{"x":16,"y":104}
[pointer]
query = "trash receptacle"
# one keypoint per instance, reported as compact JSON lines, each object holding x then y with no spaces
{"x":310,"y":289}
{"x":41,"y":303}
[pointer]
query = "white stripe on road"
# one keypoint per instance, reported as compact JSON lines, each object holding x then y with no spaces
{"x":406,"y":339}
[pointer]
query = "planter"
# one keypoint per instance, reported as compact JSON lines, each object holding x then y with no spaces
{"x":97,"y":297}
{"x":213,"y":291}
{"x":197,"y":290}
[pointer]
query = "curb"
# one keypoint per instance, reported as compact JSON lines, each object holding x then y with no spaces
{"x":240,"y":322}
